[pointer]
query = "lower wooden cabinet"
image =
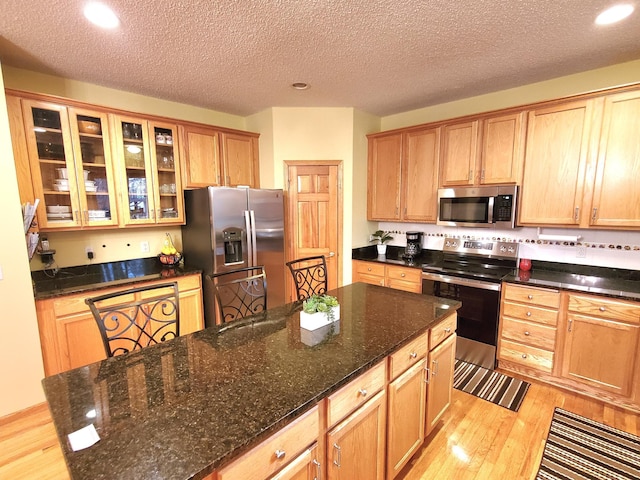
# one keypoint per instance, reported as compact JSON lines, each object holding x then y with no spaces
{"x":441,"y":364}
{"x":393,"y":276}
{"x":69,"y":335}
{"x":305,"y":467}
{"x":355,"y":447}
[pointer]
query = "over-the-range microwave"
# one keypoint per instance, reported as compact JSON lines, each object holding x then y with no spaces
{"x":484,"y":207}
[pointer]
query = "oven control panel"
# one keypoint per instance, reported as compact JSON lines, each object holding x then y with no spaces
{"x":483,"y":248}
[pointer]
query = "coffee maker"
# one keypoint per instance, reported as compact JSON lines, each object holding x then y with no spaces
{"x":414,"y":245}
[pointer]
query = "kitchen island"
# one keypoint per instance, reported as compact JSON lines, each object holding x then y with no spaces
{"x":185,"y":408}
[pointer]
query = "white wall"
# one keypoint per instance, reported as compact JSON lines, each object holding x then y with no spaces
{"x":20,"y":359}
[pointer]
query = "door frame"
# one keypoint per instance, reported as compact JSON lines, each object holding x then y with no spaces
{"x":289,"y":212}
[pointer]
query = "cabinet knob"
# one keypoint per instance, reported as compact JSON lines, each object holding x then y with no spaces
{"x":528,"y":314}
{"x":602,"y":309}
{"x":362,"y":392}
{"x":413,"y":355}
{"x":524,"y":355}
{"x":530,"y":297}
{"x":447,"y":330}
{"x":402,"y":275}
{"x":368,"y":269}
{"x":527,"y":333}
{"x":280,"y":454}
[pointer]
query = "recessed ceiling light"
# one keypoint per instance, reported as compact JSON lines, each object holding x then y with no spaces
{"x":101,"y":15}
{"x":300,"y":85}
{"x":614,"y":14}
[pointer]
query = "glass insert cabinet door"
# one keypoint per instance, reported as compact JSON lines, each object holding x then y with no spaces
{"x":60,"y":160}
{"x":165,"y":163}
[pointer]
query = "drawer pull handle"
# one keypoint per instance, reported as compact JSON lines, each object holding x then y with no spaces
{"x":363,"y":392}
{"x":447,"y":330}
{"x":402,"y":275}
{"x":527,"y":333}
{"x":426,"y":376}
{"x":338,"y":459}
{"x":524,"y":355}
{"x":318,"y":469}
{"x":530,"y":297}
{"x":602,"y":309}
{"x":280,"y":454}
{"x":528,"y":314}
{"x":413,"y":355}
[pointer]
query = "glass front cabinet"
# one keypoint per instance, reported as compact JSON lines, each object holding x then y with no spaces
{"x":148,"y":169}
{"x":71,"y":166}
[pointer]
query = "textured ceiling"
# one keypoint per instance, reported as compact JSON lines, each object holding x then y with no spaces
{"x":379,"y":56}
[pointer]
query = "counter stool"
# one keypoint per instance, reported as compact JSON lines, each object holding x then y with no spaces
{"x":239,"y":293}
{"x":309,"y":276}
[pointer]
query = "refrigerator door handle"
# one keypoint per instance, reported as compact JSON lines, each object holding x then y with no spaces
{"x":250,"y":238}
{"x":254,"y":241}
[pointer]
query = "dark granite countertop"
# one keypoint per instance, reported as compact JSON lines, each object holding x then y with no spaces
{"x":394,"y":256}
{"x":102,"y":275}
{"x":181,"y":409}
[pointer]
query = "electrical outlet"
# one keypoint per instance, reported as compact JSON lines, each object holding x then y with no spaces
{"x":89,"y":251}
{"x":144,"y":247}
{"x":581,"y":251}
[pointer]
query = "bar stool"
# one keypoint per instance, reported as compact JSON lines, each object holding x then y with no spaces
{"x":239,"y":293}
{"x":309,"y":275}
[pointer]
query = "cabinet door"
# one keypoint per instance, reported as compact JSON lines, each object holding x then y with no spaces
{"x":191,"y":315}
{"x":420,"y":175}
{"x":600,"y":352}
{"x":459,"y":154}
{"x":240,"y":160}
{"x":167,"y":179}
{"x":555,"y":164}
{"x":615,"y":199}
{"x":384,"y":175}
{"x":53,"y":169}
{"x":502,"y":149}
{"x":355,"y":447}
{"x":406,"y":417}
{"x":92,"y":151}
{"x":200,"y":156}
{"x":79,"y":341}
{"x":305,"y":467}
{"x":441,"y":364}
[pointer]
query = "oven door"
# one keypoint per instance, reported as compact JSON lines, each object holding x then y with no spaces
{"x":477,"y":318}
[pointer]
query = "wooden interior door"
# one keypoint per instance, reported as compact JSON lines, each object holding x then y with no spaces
{"x":314,"y":215}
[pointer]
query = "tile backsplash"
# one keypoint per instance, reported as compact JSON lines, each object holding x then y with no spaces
{"x":602,"y":248}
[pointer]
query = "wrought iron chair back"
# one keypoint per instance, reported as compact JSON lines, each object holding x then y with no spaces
{"x":309,"y":276}
{"x":137,"y":317}
{"x":239,"y":293}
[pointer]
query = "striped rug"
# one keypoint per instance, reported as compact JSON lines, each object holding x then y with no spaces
{"x":489,"y":385}
{"x":580,"y":448}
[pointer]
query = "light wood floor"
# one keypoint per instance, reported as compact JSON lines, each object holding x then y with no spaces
{"x":475,"y":440}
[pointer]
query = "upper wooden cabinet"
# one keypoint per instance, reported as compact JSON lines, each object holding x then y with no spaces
{"x":555,"y":164}
{"x":215,"y":157}
{"x":403,"y":175}
{"x":616,"y":200}
{"x":483,"y":152}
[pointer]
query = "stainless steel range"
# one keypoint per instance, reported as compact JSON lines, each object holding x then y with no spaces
{"x":471,"y":271}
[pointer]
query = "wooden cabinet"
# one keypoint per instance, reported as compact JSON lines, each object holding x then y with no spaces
{"x":440,"y":367}
{"x":555,"y":164}
{"x":69,"y":165}
{"x":614,"y":203}
{"x":69,"y":335}
{"x":528,"y":326}
{"x":486,"y":151}
{"x":406,"y":410}
{"x":356,"y":446}
{"x":393,"y":276}
{"x":384,"y":177}
{"x":292,"y":448}
{"x":216,"y":157}
{"x":601,"y":343}
{"x":148,"y":170}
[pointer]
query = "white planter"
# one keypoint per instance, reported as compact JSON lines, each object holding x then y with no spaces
{"x":382,"y":249}
{"x":319,"y":335}
{"x":313,"y":321}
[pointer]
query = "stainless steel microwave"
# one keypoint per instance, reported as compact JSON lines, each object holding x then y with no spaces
{"x":483,"y":207}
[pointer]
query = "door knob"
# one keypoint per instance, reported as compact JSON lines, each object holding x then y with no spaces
{"x":332,"y":254}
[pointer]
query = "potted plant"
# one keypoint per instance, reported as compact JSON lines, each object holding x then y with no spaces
{"x":318,"y":311}
{"x":381,"y":237}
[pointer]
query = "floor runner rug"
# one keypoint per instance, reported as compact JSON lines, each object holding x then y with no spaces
{"x":579,"y":448}
{"x":489,"y":385}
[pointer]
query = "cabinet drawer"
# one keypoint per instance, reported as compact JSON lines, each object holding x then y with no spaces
{"x":442,"y":330}
{"x":605,"y":307}
{"x":411,"y":353}
{"x":538,"y":296}
{"x":526,"y":355}
{"x":262,"y":461}
{"x":190,"y":282}
{"x":371,"y":268}
{"x":355,"y":393}
{"x":371,"y":279}
{"x":529,"y":333}
{"x":530,"y":313}
{"x":413,"y":275}
{"x":404,"y":285}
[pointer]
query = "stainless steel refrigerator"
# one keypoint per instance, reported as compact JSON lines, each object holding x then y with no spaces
{"x":229,"y":228}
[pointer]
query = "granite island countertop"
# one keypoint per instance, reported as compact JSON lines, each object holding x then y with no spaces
{"x":71,"y":280}
{"x":181,"y":409}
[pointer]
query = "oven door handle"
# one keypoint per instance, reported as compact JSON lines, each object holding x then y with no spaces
{"x":468,"y":282}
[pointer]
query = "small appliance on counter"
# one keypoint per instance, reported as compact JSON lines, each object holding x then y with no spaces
{"x":414,"y":245}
